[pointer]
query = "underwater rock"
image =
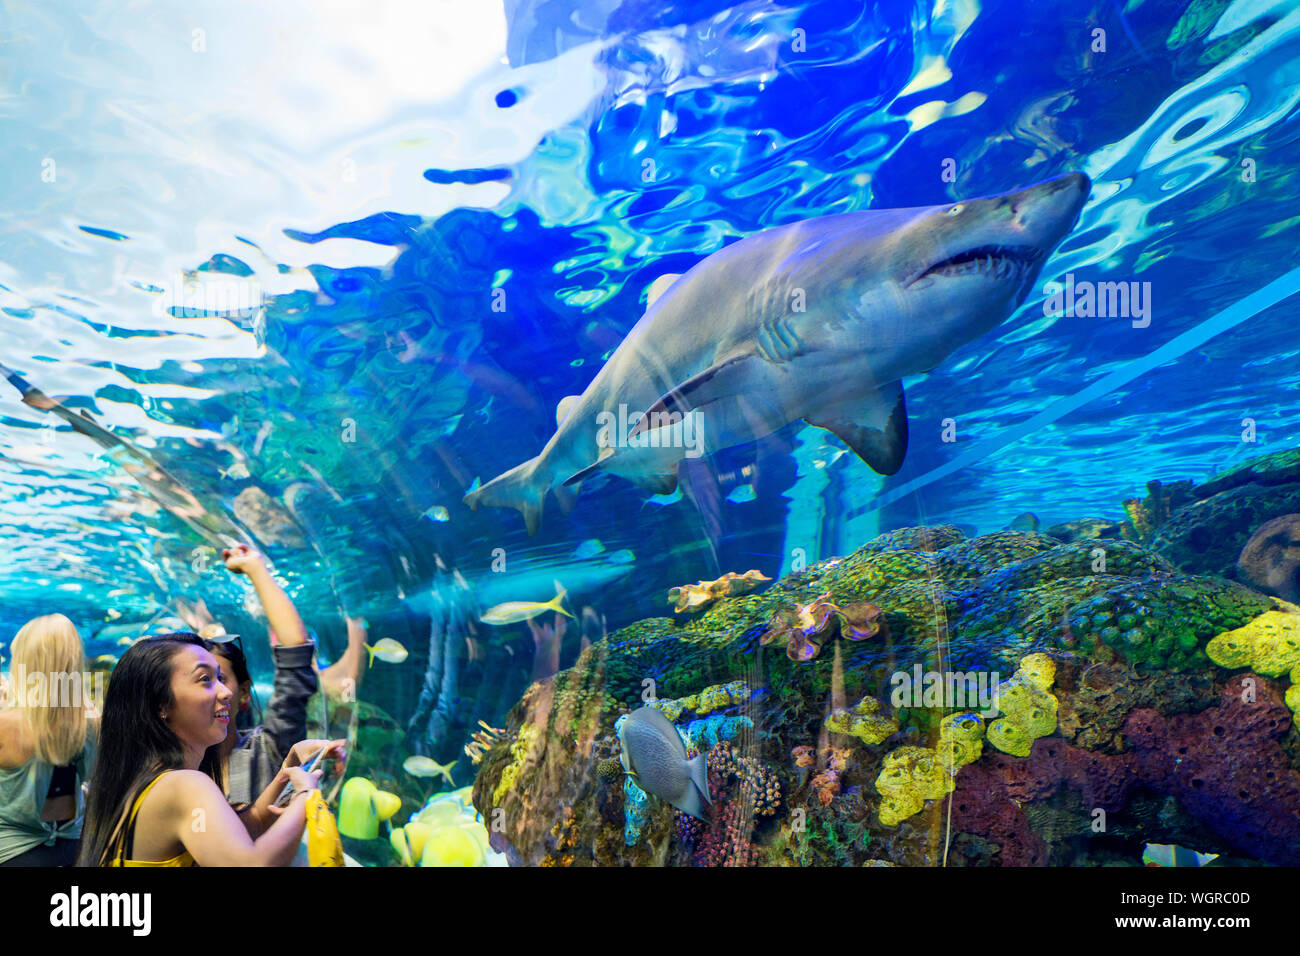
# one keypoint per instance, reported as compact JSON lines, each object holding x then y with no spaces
{"x":1145,"y":515}
{"x":1207,"y":535}
{"x":1099,"y":528}
{"x":1270,"y":561}
{"x":1109,"y":641}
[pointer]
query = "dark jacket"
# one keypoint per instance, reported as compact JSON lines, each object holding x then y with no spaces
{"x":257,"y":757}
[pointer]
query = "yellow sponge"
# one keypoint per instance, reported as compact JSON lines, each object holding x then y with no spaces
{"x":1270,"y":644}
{"x":1028,"y":709}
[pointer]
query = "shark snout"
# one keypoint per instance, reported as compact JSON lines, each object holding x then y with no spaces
{"x":1045,"y":213}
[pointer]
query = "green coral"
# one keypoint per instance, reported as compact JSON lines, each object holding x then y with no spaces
{"x":716,"y":697}
{"x":518,"y":754}
{"x":1162,"y":624}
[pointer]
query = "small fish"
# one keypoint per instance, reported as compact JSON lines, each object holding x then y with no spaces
{"x":437,"y":513}
{"x":742,"y":493}
{"x":1168,"y":854}
{"x":622,"y":556}
{"x":589,"y":548}
{"x":652,"y":752}
{"x":421,"y":766}
{"x":104,"y":661}
{"x":512,"y":612}
{"x":387,"y":650}
{"x":670,"y":499}
{"x":125,"y":641}
{"x":262,"y":434}
{"x":236,"y":472}
{"x":113,"y":614}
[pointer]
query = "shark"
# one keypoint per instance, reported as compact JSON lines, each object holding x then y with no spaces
{"x":818,"y":320}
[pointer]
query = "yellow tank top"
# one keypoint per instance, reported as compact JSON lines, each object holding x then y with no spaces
{"x":119,"y":859}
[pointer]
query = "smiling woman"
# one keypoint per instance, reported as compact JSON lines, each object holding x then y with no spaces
{"x":165,"y":717}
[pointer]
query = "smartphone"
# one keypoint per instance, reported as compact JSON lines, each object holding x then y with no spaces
{"x":287,"y":793}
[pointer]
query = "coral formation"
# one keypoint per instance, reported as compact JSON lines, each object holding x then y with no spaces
{"x":862,"y":721}
{"x":1270,"y":560}
{"x":1269,"y":645}
{"x":910,"y":776}
{"x":805,"y":628}
{"x":698,"y":596}
{"x":1028,"y":709}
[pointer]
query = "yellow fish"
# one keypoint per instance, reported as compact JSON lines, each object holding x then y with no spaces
{"x":422,"y":766}
{"x":387,"y":650}
{"x":512,"y":612}
{"x":324,"y":848}
{"x":125,"y":641}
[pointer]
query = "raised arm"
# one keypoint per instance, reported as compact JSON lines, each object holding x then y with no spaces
{"x":282,"y":617}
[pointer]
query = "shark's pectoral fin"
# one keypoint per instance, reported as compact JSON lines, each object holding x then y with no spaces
{"x":875,"y":427}
{"x":661,"y":484}
{"x":717,"y":382}
{"x":592,"y":469}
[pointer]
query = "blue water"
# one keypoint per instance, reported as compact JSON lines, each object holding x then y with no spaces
{"x":427,"y":226}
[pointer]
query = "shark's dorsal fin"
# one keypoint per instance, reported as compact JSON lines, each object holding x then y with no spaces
{"x":875,"y":427}
{"x":566,"y":405}
{"x":659,"y":287}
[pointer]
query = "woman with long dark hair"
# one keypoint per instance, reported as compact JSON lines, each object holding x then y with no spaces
{"x":155,"y":796}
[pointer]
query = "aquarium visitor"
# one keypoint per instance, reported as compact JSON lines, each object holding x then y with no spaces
{"x":48,"y":739}
{"x":166,"y":715}
{"x":252,"y":757}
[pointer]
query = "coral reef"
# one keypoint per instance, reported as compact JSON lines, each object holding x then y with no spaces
{"x":1130,"y":731}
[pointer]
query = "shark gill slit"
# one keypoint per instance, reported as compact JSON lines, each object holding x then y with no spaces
{"x":1234,"y":315}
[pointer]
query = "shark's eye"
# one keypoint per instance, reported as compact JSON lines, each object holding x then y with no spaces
{"x":955,"y":210}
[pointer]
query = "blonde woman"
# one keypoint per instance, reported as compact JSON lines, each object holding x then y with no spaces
{"x":47,"y":745}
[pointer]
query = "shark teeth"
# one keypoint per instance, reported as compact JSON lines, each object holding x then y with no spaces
{"x":998,"y":262}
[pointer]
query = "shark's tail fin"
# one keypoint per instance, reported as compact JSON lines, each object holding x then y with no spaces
{"x":521,"y":488}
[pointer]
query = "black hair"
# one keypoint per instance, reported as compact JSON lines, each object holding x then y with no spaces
{"x":135,"y":743}
{"x":234,"y":653}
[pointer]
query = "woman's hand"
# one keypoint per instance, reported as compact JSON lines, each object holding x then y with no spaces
{"x":304,"y":750}
{"x":303,"y":782}
{"x":241,"y":559}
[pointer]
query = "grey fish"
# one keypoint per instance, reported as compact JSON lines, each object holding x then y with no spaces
{"x":653,"y":753}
